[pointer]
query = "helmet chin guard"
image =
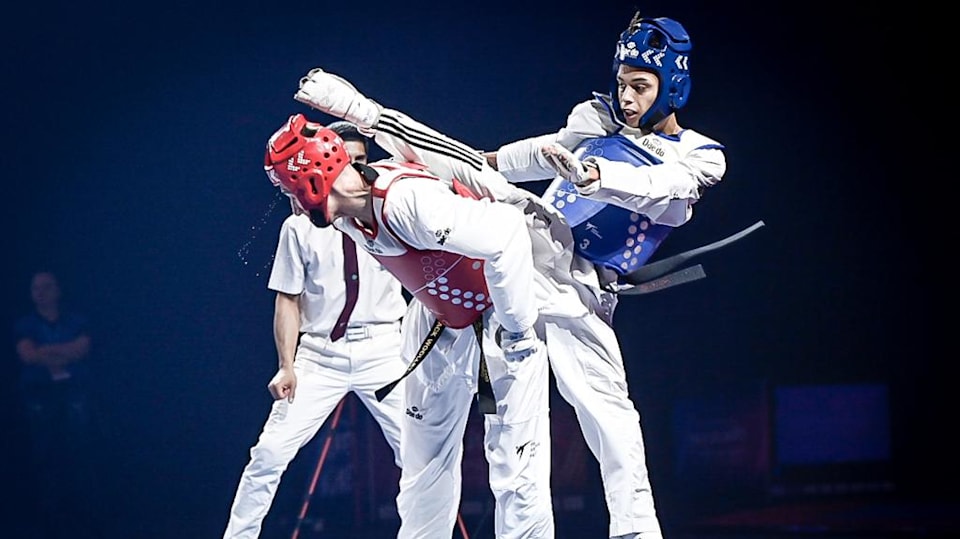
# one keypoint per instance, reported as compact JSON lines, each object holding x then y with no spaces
{"x":661,"y":46}
{"x":303,"y":159}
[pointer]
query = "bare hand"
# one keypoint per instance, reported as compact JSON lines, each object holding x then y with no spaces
{"x":283,"y":385}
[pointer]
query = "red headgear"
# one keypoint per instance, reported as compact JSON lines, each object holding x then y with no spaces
{"x":303,"y":159}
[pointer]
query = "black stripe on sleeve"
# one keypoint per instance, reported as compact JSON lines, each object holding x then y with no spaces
{"x":429,"y":141}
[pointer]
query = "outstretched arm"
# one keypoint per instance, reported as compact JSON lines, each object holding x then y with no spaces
{"x":524,"y":160}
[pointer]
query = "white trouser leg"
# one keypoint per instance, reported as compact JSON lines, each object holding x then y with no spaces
{"x":517,"y":446}
{"x":287,"y":429}
{"x":588,"y":367}
{"x":437,"y":399}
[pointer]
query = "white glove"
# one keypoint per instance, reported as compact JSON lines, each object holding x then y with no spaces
{"x":520,"y":345}
{"x":335,"y":96}
{"x":567,"y":165}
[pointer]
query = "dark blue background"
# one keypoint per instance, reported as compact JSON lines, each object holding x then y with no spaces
{"x":134,"y":138}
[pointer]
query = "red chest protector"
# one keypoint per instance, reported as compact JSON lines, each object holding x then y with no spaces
{"x":452,"y":286}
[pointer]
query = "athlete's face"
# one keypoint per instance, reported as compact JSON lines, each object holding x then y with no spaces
{"x":347,"y":194}
{"x":637,"y":90}
{"x":356,"y":150}
{"x":324,"y":217}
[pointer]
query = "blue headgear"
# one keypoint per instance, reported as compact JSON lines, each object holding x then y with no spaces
{"x":660,"y":45}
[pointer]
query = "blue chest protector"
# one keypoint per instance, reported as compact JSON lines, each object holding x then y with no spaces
{"x":605,"y":234}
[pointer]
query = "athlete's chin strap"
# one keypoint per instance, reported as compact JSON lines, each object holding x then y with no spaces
{"x":660,"y":274}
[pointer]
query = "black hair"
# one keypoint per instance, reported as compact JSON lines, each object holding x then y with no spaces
{"x":348,"y":131}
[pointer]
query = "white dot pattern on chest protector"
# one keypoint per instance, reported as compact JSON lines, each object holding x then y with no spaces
{"x":634,"y":243}
{"x":434,"y":270}
{"x":598,"y":229}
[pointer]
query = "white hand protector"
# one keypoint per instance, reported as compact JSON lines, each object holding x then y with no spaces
{"x":520,"y":345}
{"x":566,"y":164}
{"x":335,"y":96}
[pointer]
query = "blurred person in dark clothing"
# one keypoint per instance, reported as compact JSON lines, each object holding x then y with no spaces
{"x":53,"y":345}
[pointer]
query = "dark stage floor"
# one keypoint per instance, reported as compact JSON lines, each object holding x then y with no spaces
{"x":833,"y":519}
{"x":837,"y":518}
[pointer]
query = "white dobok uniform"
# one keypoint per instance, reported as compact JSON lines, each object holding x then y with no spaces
{"x":660,"y":186}
{"x":463,"y":259}
{"x":309,"y":262}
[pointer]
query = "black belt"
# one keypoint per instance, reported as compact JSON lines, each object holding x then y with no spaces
{"x":660,"y":274}
{"x":485,"y":399}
